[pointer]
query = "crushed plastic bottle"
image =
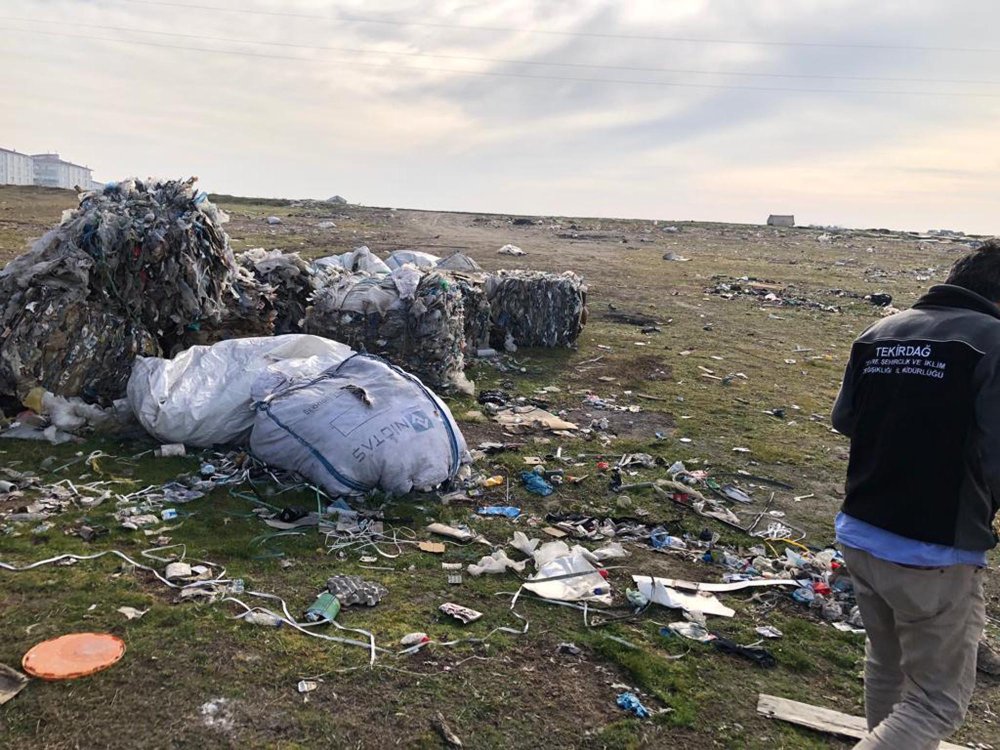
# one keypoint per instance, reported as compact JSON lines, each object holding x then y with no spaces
{"x":263,"y":619}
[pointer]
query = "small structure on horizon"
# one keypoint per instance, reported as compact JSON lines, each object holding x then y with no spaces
{"x":781,"y":220}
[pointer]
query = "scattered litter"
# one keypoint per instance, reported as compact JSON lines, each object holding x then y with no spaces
{"x":507,"y":511}
{"x":569,"y":578}
{"x":820,"y":719}
{"x":769,"y":631}
{"x":464,"y":614}
{"x":414,"y":639}
{"x":177,"y":570}
{"x":631,"y":702}
{"x":436,"y":548}
{"x":131,"y":613}
{"x":522,"y":544}
{"x":450,"y":738}
{"x":511,"y":250}
{"x":536,"y":484}
{"x":568,"y":648}
{"x":70,"y":656}
{"x":759,"y":656}
{"x":263,"y":619}
{"x":307,"y":686}
{"x":12,"y":682}
{"x":354,"y":590}
{"x":524,"y":420}
{"x":327,"y":605}
{"x":691,"y":630}
{"x":496,"y":563}
{"x":458,"y":533}
{"x":658,"y":592}
{"x":847,"y":628}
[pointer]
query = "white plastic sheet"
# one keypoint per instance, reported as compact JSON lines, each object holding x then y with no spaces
{"x":582,"y":582}
{"x":657,"y":592}
{"x":417,"y":258}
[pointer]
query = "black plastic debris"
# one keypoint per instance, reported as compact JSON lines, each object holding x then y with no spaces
{"x":759,"y":656}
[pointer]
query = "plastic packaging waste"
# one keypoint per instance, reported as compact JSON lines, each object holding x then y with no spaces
{"x":324,"y":609}
{"x":263,"y":619}
{"x":359,"y":425}
{"x":574,"y":579}
{"x":202,"y":397}
{"x":498,"y":562}
{"x":521,"y":543}
{"x":536,"y":484}
{"x":631,"y":702}
{"x":507,"y":511}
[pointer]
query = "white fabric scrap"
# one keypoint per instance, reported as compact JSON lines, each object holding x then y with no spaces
{"x":657,"y":592}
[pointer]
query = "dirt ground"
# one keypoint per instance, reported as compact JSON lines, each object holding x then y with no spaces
{"x":710,"y":374}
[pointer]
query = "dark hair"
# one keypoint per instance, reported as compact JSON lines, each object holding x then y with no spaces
{"x":979,"y":271}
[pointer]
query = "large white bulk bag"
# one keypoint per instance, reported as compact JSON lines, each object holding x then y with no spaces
{"x":201,"y":397}
{"x":361,"y":425}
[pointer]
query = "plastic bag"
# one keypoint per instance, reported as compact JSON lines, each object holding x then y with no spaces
{"x":417,"y":258}
{"x":586,"y":585}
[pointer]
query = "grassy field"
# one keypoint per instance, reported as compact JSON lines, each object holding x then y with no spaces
{"x":511,"y":691}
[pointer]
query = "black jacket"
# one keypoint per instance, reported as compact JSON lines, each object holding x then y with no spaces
{"x":921,"y":404}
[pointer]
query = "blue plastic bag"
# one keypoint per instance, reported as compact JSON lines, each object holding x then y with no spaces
{"x":536,"y":484}
{"x":631,"y":702}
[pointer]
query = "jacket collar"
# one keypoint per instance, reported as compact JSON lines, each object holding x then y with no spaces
{"x":949,"y":295}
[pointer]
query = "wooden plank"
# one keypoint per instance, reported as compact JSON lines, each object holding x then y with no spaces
{"x":820,"y":719}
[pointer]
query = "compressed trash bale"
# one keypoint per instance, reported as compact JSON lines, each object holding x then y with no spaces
{"x":159,"y":251}
{"x":148,"y":261}
{"x":292,"y":279}
{"x":358,"y":426}
{"x":534,"y":308}
{"x":413,"y":319}
{"x":249,"y":311}
{"x":58,"y":340}
{"x":476,"y":308}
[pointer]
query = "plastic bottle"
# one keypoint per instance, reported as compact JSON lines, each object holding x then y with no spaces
{"x":263,"y":618}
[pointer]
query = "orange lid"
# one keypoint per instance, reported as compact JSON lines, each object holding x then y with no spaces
{"x":73,"y":655}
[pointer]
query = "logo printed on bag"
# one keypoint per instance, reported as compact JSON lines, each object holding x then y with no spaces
{"x":419,"y":421}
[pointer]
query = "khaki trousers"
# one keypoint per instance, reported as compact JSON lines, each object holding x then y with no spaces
{"x":923,"y":628}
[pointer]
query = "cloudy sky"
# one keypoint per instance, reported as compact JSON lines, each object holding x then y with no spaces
{"x":840,"y":111}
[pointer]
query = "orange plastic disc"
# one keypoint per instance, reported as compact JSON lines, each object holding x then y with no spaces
{"x":73,"y":655}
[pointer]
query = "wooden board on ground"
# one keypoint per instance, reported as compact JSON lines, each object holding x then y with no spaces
{"x":820,"y":719}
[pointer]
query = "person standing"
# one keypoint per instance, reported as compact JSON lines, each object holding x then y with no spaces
{"x":920,"y":402}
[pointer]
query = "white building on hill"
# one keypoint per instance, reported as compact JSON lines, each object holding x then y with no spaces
{"x":51,"y":171}
{"x":16,"y":168}
{"x":45,"y":170}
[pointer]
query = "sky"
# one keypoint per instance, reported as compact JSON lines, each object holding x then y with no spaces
{"x":842,"y":112}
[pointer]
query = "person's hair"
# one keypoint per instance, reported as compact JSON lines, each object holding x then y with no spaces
{"x":979,"y":271}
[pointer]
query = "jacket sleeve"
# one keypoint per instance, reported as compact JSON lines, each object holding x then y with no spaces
{"x":844,"y":416}
{"x":988,"y":422}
